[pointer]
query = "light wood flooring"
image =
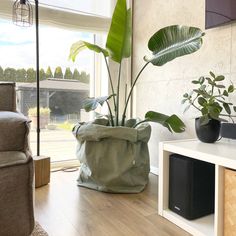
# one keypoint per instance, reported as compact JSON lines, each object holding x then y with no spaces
{"x":64,"y":209}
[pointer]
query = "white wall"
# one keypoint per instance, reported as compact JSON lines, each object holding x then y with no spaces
{"x":161,"y":88}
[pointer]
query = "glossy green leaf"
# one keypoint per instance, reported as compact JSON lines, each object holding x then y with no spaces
{"x":202,"y":101}
{"x":225,"y":93}
{"x":173,"y":41}
{"x":230,"y":88}
{"x":119,"y":36}
{"x":173,"y":123}
{"x":195,"y":82}
{"x":79,"y":46}
{"x":201,"y":80}
{"x":219,"y":86}
{"x":219,"y":78}
{"x":91,"y":104}
{"x":212,"y":74}
{"x":227,"y":108}
{"x":204,"y":119}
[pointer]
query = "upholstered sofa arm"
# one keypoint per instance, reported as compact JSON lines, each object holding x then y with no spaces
{"x":14,"y":130}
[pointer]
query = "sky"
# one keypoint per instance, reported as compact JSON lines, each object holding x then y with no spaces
{"x":17,"y":47}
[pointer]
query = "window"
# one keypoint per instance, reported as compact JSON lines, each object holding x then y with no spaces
{"x":63,"y":84}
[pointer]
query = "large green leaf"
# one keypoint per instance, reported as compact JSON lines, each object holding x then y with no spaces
{"x":173,"y":123}
{"x":173,"y":41}
{"x":91,"y":104}
{"x":79,"y":46}
{"x":119,"y":36}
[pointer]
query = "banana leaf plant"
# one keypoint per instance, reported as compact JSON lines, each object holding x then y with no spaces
{"x":165,"y":45}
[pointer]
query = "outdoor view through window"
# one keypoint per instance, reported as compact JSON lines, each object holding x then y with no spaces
{"x":63,"y":84}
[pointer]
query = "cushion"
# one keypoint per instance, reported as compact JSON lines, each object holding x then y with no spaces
{"x":7,"y":97}
{"x":14,"y":131}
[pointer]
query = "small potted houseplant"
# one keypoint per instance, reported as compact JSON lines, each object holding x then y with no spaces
{"x":113,"y":151}
{"x":44,"y":116}
{"x":211,"y":99}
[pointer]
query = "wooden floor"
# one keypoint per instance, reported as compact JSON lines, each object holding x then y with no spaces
{"x":63,"y":209}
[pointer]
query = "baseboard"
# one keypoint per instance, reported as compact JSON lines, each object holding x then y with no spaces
{"x":61,"y":164}
{"x":154,"y":170}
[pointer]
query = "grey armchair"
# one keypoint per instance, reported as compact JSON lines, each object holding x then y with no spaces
{"x":16,"y":168}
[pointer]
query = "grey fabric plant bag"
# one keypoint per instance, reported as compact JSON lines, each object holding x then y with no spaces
{"x":113,"y":159}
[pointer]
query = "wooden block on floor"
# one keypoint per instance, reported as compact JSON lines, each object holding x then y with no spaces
{"x":42,"y":170}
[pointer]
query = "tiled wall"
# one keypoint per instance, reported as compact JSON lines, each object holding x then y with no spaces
{"x":161,"y":88}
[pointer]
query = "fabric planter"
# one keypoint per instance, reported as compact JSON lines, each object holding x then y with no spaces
{"x":113,"y":159}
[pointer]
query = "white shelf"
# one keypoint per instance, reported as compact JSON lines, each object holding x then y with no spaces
{"x":222,"y":154}
{"x":203,"y":226}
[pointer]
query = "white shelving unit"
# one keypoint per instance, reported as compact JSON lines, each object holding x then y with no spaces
{"x":223,"y":155}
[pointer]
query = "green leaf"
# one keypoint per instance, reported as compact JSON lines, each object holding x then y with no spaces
{"x":219,"y":86}
{"x":234,"y":107}
{"x":119,"y":36}
{"x":79,"y":46}
{"x":212,"y":74}
{"x":173,"y":123}
{"x":209,"y":80}
{"x":214,"y":112}
{"x":225,"y":93}
{"x":230,"y":88}
{"x":91,"y":104}
{"x":202,"y":92}
{"x":202,"y":101}
{"x":219,"y":78}
{"x":173,"y":41}
{"x":195,"y":82}
{"x":204,"y":111}
{"x":204,"y":119}
{"x":201,"y":80}
{"x":227,"y":108}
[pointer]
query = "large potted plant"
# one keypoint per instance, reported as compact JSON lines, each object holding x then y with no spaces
{"x":211,"y":99}
{"x":113,"y":151}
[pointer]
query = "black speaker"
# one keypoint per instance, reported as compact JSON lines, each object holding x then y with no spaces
{"x":228,"y":130}
{"x":191,"y":187}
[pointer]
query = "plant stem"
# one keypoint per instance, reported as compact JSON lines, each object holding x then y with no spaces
{"x":130,"y":93}
{"x":194,"y":105}
{"x":110,"y":79}
{"x":118,"y":96}
{"x":227,"y":115}
{"x":110,"y":112}
{"x":143,"y":121}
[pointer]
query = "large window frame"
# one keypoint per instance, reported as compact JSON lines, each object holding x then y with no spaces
{"x":70,"y":20}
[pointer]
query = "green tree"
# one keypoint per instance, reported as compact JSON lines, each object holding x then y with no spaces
{"x":10,"y":74}
{"x":42,"y":74}
{"x":84,"y":77}
{"x":1,"y":74}
{"x":68,"y":74}
{"x":76,"y":75}
{"x":21,"y":75}
{"x":30,"y":75}
{"x":58,"y":73}
{"x":49,"y":73}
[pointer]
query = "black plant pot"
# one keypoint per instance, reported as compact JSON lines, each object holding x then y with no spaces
{"x":208,"y":133}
